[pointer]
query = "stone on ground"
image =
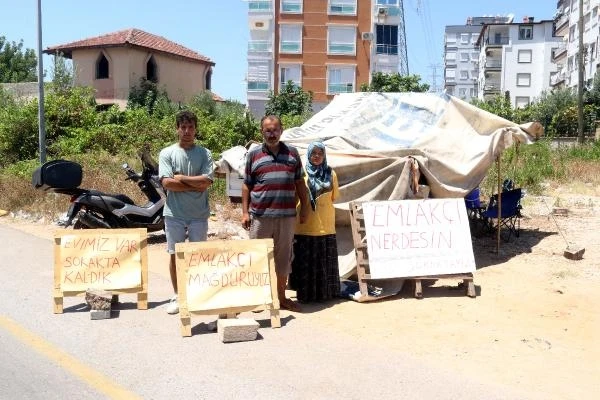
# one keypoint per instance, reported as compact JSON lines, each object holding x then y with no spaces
{"x":237,"y":330}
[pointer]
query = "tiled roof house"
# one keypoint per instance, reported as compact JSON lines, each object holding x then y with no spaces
{"x":115,"y":62}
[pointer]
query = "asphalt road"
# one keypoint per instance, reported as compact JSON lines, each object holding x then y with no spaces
{"x":140,"y":353}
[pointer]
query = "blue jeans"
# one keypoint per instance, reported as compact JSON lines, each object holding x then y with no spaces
{"x":175,"y":230}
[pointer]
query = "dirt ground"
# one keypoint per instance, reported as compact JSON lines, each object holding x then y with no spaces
{"x":534,"y":325}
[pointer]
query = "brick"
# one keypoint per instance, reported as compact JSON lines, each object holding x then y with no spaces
{"x":574,"y":253}
{"x":237,"y":330}
{"x":100,"y":314}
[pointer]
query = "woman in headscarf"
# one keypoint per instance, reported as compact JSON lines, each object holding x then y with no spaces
{"x":315,"y":272}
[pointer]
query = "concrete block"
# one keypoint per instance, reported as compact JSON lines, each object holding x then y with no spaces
{"x":237,"y":330}
{"x":560,"y":211}
{"x":574,"y":253}
{"x":100,"y":314}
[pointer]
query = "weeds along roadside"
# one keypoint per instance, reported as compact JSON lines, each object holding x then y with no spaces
{"x":532,"y":167}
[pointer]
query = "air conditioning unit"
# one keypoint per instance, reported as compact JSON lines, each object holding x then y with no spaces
{"x":382,"y":11}
{"x":367,"y":36}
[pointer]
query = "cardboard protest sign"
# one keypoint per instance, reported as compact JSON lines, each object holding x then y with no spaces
{"x":409,"y":238}
{"x":107,"y":259}
{"x":224,"y":274}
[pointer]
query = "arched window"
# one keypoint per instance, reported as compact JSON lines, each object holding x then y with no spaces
{"x":102,"y":67}
{"x":151,"y":70}
{"x":207,"y":80}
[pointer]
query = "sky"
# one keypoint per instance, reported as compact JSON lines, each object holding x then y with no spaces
{"x":219,"y":29}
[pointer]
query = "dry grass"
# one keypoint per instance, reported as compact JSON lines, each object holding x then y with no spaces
{"x":103,"y":173}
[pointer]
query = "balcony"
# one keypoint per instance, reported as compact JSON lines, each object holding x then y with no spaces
{"x":290,"y":46}
{"x":491,"y":87}
{"x":386,"y":11}
{"x":560,"y":51}
{"x":258,"y":86}
{"x":561,"y":21}
{"x":260,"y":46}
{"x":291,"y":6}
{"x":390,"y":49}
{"x":493,"y":64}
{"x":497,"y":41}
{"x":558,"y":78}
{"x":334,"y":88}
{"x":260,"y":6}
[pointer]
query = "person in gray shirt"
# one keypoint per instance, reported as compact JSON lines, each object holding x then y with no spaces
{"x":186,"y":171}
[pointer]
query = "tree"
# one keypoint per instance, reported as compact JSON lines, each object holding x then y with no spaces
{"x":62,"y":73}
{"x":16,"y":64}
{"x":291,"y":100}
{"x":381,"y":82}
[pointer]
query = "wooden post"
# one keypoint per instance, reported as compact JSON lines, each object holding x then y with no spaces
{"x":499,"y":207}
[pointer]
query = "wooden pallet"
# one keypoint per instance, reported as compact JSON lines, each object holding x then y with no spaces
{"x":357,"y":223}
{"x":142,"y":291}
{"x":185,"y":313}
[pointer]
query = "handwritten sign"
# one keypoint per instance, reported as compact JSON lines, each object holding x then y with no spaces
{"x":407,"y":238}
{"x":224,"y":274}
{"x":99,"y":258}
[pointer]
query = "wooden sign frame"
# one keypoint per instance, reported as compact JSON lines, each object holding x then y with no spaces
{"x":357,"y":223}
{"x":142,"y":290}
{"x":185,"y":313}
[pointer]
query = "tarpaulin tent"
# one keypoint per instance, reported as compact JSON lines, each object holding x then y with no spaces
{"x":371,"y":136}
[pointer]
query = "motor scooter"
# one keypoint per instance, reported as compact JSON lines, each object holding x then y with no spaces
{"x":91,"y":209}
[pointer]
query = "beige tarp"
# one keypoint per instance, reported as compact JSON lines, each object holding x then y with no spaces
{"x":371,"y":136}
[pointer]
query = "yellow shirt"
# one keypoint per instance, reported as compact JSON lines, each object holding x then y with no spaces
{"x":321,"y":221}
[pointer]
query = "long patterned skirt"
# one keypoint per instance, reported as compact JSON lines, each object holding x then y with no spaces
{"x":315,"y":273}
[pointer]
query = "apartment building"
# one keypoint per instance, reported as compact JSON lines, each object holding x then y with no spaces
{"x":326,"y":47}
{"x":461,"y":55}
{"x":517,"y":59}
{"x":566,"y":54}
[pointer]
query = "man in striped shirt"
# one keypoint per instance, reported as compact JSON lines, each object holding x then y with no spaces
{"x":273,"y":180}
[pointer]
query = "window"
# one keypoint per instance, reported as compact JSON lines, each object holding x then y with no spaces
{"x":464,"y":38}
{"x":342,"y":7}
{"x":151,"y":70}
{"x":387,"y":39}
{"x":387,"y":2}
{"x":474,"y":56}
{"x":451,"y":38}
{"x":572,"y":33}
{"x":523,"y":79}
{"x":290,"y":73}
{"x":521,"y":101}
{"x":341,"y":40}
{"x":259,"y":6}
{"x":474,"y":74}
{"x":259,"y":76}
{"x":524,"y":56}
{"x":451,"y":56}
{"x":464,"y":75}
{"x":291,"y":6}
{"x":525,"y":32}
{"x":586,"y":22}
{"x":291,"y":38}
{"x":462,"y":92}
{"x":450,"y":74}
{"x":472,"y":92}
{"x":593,"y":51}
{"x":102,"y":67}
{"x":340,"y":79}
{"x":450,"y":90}
{"x":208,"y":79}
{"x":464,"y":57}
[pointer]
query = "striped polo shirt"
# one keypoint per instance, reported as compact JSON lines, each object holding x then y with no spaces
{"x":271,"y":179}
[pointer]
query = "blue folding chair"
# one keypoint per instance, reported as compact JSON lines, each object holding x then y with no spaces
{"x":510,"y":216}
{"x":475,"y":209}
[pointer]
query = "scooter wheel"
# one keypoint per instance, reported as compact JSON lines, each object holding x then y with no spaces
{"x":79,"y":225}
